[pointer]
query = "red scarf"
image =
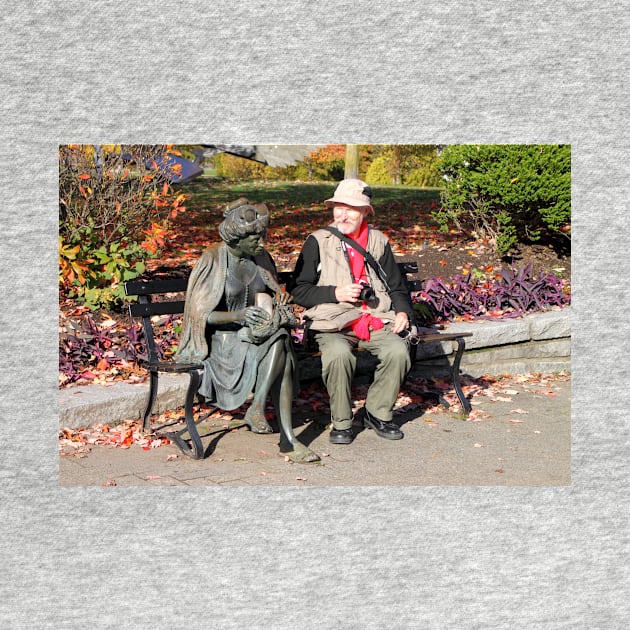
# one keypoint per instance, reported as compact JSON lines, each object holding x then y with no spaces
{"x":367,"y":322}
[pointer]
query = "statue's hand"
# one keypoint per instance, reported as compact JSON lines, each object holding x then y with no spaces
{"x":253,"y":316}
{"x":283,"y":316}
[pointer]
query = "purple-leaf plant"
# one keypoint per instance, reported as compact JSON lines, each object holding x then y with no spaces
{"x":509,"y":294}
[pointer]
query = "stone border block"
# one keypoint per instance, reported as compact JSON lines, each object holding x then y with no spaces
{"x":493,"y":333}
{"x":87,"y":405}
{"x":551,"y":325}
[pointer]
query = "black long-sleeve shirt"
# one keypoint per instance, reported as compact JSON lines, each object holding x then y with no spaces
{"x":306,"y":292}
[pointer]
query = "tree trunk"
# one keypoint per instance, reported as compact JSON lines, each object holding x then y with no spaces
{"x":352,"y":162}
{"x":396,"y":164}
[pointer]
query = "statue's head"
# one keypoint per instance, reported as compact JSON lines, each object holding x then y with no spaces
{"x":242,"y":219}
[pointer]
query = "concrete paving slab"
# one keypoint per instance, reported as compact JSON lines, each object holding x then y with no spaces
{"x":524,"y":440}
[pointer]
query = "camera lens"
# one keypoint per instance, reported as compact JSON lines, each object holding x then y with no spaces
{"x":367,"y":294}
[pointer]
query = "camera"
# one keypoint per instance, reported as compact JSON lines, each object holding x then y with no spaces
{"x":367,"y":294}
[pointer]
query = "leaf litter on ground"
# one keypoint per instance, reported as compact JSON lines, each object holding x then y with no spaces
{"x":419,"y":395}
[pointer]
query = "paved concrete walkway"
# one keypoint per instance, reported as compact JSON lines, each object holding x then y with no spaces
{"x":524,"y":439}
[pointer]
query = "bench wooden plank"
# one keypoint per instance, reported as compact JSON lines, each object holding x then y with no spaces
{"x":153,"y":287}
{"x":148,"y":309}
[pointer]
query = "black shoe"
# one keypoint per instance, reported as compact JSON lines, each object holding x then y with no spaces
{"x":387,"y":430}
{"x":341,"y":436}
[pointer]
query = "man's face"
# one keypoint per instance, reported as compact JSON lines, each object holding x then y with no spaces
{"x":348,"y":219}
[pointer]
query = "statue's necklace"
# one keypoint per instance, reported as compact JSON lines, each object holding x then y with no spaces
{"x":244,"y":271}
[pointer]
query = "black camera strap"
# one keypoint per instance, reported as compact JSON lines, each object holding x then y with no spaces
{"x":369,"y":259}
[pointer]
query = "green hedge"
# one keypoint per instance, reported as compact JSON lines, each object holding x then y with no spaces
{"x":507,"y":193}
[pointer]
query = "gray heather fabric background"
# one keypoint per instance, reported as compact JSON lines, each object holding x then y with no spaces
{"x":305,"y":72}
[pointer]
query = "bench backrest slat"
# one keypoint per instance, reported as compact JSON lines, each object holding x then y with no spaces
{"x":408,"y":267}
{"x":146,"y":308}
{"x":152,"y":287}
{"x":414,"y":285}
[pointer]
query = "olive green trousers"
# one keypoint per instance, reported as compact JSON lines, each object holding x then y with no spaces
{"x":339,"y":363}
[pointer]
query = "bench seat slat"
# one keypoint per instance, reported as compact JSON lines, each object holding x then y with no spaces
{"x":437,"y":336}
{"x":408,"y":267}
{"x":156,"y":308}
{"x":171,"y":366}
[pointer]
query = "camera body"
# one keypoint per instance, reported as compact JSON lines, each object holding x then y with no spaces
{"x":367,"y":294}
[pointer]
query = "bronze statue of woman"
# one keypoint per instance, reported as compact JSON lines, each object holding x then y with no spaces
{"x":236,"y":321}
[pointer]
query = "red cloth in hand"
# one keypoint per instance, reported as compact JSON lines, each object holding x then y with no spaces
{"x":365,"y":324}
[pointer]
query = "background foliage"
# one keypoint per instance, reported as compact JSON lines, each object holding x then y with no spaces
{"x":406,"y":164}
{"x":115,"y":202}
{"x":387,"y":164}
{"x":507,"y":193}
{"x":114,"y":206}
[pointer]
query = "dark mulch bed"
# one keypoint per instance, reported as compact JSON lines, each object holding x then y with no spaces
{"x":454,"y":259}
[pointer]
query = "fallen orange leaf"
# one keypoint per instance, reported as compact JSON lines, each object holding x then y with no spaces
{"x":103,"y":364}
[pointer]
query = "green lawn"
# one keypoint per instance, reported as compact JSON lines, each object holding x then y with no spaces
{"x":212,"y":191}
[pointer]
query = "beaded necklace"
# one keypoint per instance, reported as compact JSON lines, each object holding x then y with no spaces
{"x":239,"y":268}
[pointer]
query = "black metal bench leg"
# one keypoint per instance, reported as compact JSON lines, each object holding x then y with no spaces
{"x":195,"y":450}
{"x":457,"y":384}
{"x":153,"y":387}
{"x":195,"y":382}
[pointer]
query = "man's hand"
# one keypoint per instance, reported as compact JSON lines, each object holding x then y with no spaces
{"x":348,"y":293}
{"x":282,"y":297}
{"x":400,"y":323}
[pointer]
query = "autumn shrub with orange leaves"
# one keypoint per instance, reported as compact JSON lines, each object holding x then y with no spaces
{"x":115,"y":202}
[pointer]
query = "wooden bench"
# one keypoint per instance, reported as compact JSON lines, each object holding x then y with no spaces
{"x":152,"y":301}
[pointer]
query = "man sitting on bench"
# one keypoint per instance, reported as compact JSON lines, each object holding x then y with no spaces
{"x":235,"y":321}
{"x":349,"y":282}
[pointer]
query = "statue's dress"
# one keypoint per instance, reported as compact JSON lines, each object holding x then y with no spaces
{"x":229,"y":355}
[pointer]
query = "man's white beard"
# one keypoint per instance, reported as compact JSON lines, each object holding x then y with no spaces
{"x":345,"y":228}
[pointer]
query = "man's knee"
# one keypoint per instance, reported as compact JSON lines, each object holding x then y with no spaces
{"x":335,"y":351}
{"x":401,"y":352}
{"x":393,"y":347}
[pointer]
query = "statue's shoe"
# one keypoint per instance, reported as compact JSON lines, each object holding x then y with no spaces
{"x":257,"y":421}
{"x":301,"y":454}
